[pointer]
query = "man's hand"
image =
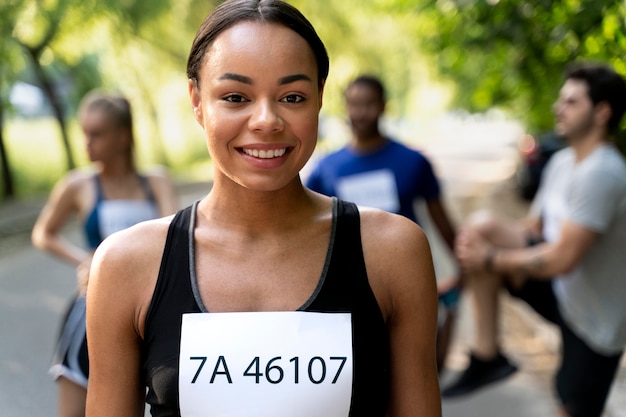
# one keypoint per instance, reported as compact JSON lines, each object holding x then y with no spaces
{"x":473,"y":251}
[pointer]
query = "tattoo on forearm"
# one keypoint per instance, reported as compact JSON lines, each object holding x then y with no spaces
{"x":534,"y":265}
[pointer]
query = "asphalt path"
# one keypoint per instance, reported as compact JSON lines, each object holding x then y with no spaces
{"x":34,"y":291}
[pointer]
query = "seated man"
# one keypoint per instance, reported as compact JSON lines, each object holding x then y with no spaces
{"x":567,"y":259}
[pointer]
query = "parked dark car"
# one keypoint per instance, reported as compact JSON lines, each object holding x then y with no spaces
{"x":535,"y":153}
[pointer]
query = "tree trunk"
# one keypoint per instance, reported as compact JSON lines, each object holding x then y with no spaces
{"x":47,"y":86}
{"x":8,"y":188}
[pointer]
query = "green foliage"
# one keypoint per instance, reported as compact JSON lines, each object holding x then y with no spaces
{"x":376,"y":37}
{"x":512,"y":53}
{"x":10,"y":58}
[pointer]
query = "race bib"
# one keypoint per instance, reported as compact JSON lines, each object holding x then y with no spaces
{"x":265,"y":364}
{"x":116,"y":215}
{"x":376,"y":189}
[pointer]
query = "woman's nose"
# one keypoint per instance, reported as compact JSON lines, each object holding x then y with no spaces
{"x":265,"y":117}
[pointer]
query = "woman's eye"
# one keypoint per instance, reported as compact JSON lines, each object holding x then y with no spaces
{"x":234,"y":98}
{"x":293,"y":98}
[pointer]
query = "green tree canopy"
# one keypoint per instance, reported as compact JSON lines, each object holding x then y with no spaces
{"x":512,"y":53}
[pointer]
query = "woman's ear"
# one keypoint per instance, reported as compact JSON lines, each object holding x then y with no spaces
{"x":196,"y":102}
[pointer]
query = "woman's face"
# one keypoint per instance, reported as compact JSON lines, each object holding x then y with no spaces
{"x":258,"y":101}
{"x":104,"y":139}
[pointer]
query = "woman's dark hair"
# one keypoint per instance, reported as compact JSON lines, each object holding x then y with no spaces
{"x":232,"y":12}
{"x":603,"y":84}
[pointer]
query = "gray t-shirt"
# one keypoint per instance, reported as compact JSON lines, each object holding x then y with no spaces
{"x":591,"y":194}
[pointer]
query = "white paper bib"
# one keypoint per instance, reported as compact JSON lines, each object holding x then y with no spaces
{"x":265,"y":364}
{"x":116,"y":215}
{"x":376,"y":189}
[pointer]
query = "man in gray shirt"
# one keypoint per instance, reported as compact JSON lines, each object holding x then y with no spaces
{"x":566,"y":259}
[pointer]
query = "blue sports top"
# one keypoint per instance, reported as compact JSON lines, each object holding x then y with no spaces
{"x":342,"y":288}
{"x":110,"y":216}
{"x":390,"y":178}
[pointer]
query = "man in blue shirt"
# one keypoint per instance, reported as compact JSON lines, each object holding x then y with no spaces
{"x":376,"y":171}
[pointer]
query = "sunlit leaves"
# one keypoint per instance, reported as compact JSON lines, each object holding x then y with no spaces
{"x":512,"y":53}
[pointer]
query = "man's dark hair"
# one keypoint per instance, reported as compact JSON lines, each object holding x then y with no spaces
{"x":371,"y":81}
{"x":603,"y":84}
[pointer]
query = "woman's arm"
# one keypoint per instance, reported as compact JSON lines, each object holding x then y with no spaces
{"x":62,"y":203}
{"x":442,"y":222}
{"x":404,"y":284}
{"x":122,"y":279}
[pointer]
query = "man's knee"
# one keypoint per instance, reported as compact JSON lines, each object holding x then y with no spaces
{"x":483,"y":222}
{"x":496,"y":229}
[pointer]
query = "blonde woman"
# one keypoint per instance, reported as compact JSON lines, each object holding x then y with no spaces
{"x":112,"y":196}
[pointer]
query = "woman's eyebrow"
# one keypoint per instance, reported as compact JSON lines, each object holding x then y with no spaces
{"x":236,"y":77}
{"x":293,"y":78}
{"x":247,"y":80}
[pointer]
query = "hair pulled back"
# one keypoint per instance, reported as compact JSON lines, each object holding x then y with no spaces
{"x":232,"y":12}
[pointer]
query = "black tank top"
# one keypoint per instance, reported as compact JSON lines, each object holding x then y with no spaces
{"x":343,"y":288}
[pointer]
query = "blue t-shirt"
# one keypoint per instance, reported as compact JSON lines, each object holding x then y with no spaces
{"x":390,"y":178}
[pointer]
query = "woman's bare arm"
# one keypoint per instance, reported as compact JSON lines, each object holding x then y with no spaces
{"x":63,"y":202}
{"x":405,"y":286}
{"x":124,"y":272}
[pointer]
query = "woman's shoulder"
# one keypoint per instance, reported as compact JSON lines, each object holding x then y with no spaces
{"x":73,"y":190}
{"x":392,"y":242}
{"x":389,"y":228}
{"x":397,"y":255}
{"x":125,"y":270}
{"x":136,"y":244}
{"x":133,"y":254}
{"x":76,"y":179}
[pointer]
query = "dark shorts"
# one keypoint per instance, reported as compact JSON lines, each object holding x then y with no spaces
{"x":584,"y":378}
{"x":70,"y":359}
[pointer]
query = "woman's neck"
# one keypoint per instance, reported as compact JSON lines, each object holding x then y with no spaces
{"x":260,"y":211}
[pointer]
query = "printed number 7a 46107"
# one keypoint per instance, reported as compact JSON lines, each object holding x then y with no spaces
{"x":276,"y":370}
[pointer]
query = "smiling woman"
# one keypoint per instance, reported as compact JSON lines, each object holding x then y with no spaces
{"x":263,"y":298}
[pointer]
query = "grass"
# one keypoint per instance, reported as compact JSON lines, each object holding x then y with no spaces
{"x":37,"y":159}
{"x":35,"y":155}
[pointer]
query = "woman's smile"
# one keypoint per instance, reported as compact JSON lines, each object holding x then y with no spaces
{"x":265,"y":154}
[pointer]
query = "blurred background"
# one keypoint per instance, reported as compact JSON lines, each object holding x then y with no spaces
{"x":440,"y":60}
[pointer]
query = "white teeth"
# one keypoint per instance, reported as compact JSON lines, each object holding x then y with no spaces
{"x":263,"y":154}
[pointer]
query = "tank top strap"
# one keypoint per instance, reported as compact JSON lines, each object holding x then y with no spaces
{"x":172,"y":297}
{"x":174,"y":277}
{"x":345,"y":265}
{"x":346,"y":288}
{"x":92,"y":221}
{"x":99,"y":190}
